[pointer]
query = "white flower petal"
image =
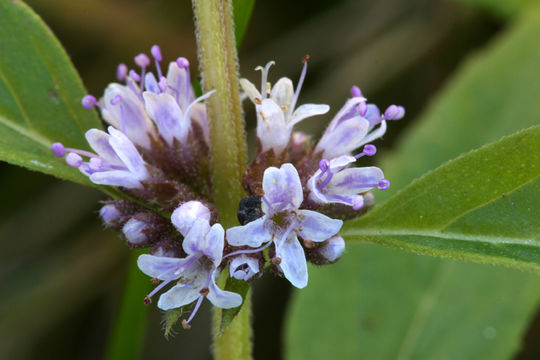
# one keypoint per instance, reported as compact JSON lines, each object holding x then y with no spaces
{"x":150,"y":83}
{"x":223,"y":299}
{"x":282,"y":92}
{"x":282,"y":188}
{"x":293,"y":260}
{"x":346,"y":137}
{"x":213,"y":243}
{"x":349,"y":104}
{"x":99,"y":142}
{"x":308,"y":110}
{"x":159,"y":267}
{"x":168,"y":116}
{"x":116,"y":178}
{"x":374,"y":134}
{"x":353,"y":181}
{"x":179,"y":86}
{"x":137,"y":124}
{"x":250,"y":90}
{"x":253,"y":234}
{"x":272,"y":130}
{"x":193,"y":241}
{"x":186,"y":214}
{"x":128,"y":153}
{"x":179,"y":295}
{"x":250,"y":263}
{"x":316,"y":226}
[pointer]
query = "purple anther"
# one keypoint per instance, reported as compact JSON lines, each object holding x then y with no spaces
{"x":136,"y":77}
{"x":74,"y":160}
{"x":121,"y":72}
{"x":384,"y":184}
{"x":95,"y":164}
{"x":362,"y":108}
{"x":182,"y":62}
{"x":370,"y":150}
{"x":358,"y":202}
{"x":356,"y":92}
{"x":156,"y":53}
{"x":115,"y":100}
{"x":394,"y":112}
{"x":324,"y":165}
{"x":162,"y":84}
{"x":58,"y":149}
{"x":89,"y":101}
{"x":142,"y":60}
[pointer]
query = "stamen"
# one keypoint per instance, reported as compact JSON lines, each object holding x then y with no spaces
{"x":121,"y":72}
{"x":58,"y":149}
{"x":362,"y":108}
{"x":248,"y":251}
{"x":384,"y":184}
{"x":310,"y":244}
{"x":156,"y":53}
{"x":356,"y":92}
{"x":95,"y":164}
{"x":89,"y":101}
{"x":200,"y":98}
{"x":197,"y":306}
{"x":369,"y":150}
{"x":324,"y":165}
{"x":300,"y":83}
{"x":264,"y":78}
{"x":134,"y":76}
{"x":204,"y":291}
{"x":358,"y":202}
{"x":276,"y":260}
{"x":74,"y":160}
{"x":115,"y":101}
{"x":185,"y":324}
{"x":155,"y":281}
{"x":327,"y":180}
{"x":147,"y":300}
{"x":182,"y":62}
{"x":162,"y":84}
{"x":142,"y":60}
{"x":394,"y":112}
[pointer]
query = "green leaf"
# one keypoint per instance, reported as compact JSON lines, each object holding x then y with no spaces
{"x":239,"y":287}
{"x":171,"y":318}
{"x":242,"y":13}
{"x":40,"y":94}
{"x":504,"y":8}
{"x":127,"y":337}
{"x":381,"y":303}
{"x":482,"y":206}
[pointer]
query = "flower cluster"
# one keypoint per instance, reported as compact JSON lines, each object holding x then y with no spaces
{"x":155,"y":151}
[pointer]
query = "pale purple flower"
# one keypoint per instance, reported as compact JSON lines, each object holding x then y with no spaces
{"x":335,"y":182}
{"x":116,"y":160}
{"x":195,"y":274}
{"x":244,"y":267}
{"x":283,"y":221}
{"x":185,"y":215}
{"x":355,"y":124}
{"x":276,"y":109}
{"x":332,"y":249}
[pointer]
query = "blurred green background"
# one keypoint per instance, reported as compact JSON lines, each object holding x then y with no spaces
{"x":62,"y":276}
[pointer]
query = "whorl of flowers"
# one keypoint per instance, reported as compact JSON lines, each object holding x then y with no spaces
{"x":156,"y":151}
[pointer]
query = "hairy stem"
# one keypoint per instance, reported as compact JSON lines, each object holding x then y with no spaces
{"x":219,"y":67}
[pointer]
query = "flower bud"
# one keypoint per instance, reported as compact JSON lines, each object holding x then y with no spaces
{"x":134,"y":231}
{"x":110,"y":214}
{"x":185,"y":215}
{"x":327,"y":252}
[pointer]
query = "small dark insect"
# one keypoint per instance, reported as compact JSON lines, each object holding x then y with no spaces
{"x":249,"y":209}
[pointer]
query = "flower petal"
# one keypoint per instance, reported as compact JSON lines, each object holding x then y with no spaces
{"x":354,"y":181}
{"x":282,"y":92}
{"x":244,"y":267}
{"x":373,"y":114}
{"x":193,"y":241}
{"x":346,"y":137}
{"x":150,"y":83}
{"x":252,"y":234}
{"x":213,"y":243}
{"x":293,"y":260}
{"x":99,"y":142}
{"x":131,"y":109}
{"x":223,"y":299}
{"x":166,"y":113}
{"x":116,"y":178}
{"x":308,"y":110}
{"x":128,"y":153}
{"x":282,"y":188}
{"x":374,"y":134}
{"x":251,"y":90}
{"x":316,"y":226}
{"x":179,"y":295}
{"x":179,"y":85}
{"x":346,"y":109}
{"x":272,"y":130}
{"x":159,"y":267}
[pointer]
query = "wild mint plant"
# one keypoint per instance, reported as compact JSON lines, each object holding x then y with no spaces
{"x":296,"y":201}
{"x":156,"y":152}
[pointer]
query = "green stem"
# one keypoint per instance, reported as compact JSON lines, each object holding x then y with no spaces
{"x":219,"y":67}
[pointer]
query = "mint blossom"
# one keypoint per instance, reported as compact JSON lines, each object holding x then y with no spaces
{"x":335,"y":182}
{"x":195,"y":274}
{"x":276,"y":108}
{"x":282,"y":222}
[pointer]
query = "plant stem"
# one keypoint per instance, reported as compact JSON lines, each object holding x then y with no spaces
{"x":219,"y":67}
